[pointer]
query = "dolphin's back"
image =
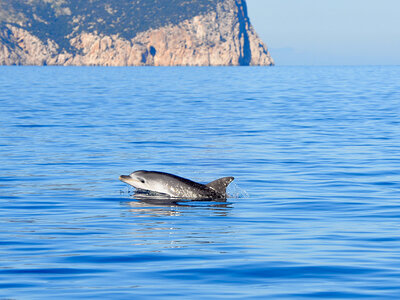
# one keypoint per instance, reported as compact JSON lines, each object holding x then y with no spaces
{"x":183,"y":187}
{"x":175,"y":179}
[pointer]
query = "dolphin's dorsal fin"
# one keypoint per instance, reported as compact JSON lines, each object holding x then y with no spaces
{"x":220,"y":185}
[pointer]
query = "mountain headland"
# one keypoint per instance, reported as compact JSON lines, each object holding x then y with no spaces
{"x":129,"y":33}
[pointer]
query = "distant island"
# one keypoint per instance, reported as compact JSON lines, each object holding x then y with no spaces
{"x":129,"y":33}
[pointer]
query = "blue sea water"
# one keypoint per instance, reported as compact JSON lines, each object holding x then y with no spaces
{"x":314,"y":211}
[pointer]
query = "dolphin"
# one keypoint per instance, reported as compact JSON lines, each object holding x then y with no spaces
{"x":175,"y":186}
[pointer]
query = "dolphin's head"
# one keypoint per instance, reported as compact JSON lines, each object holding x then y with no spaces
{"x":137,"y":179}
{"x":147,"y":180}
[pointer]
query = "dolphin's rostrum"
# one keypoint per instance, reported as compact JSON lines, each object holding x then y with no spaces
{"x":175,"y":186}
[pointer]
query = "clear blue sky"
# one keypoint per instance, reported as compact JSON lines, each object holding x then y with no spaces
{"x":329,"y":32}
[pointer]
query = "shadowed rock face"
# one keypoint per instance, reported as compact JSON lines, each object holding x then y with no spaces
{"x":126,"y":32}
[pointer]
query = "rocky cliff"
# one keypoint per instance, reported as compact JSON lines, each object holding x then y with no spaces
{"x":129,"y":33}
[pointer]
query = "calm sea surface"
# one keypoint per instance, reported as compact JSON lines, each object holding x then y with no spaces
{"x":314,"y":210}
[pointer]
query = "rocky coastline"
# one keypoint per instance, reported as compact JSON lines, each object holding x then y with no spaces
{"x":220,"y":36}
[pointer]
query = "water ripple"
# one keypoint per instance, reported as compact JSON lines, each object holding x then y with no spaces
{"x":313,"y":211}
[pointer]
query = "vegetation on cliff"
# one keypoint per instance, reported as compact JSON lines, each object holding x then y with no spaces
{"x":59,"y":19}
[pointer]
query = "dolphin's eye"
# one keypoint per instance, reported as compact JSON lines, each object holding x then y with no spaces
{"x":141,"y":180}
